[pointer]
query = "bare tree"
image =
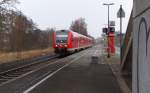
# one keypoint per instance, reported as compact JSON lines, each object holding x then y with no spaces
{"x":8,"y":3}
{"x":79,"y":26}
{"x":20,"y":33}
{"x":50,"y":36}
{"x":5,"y":21}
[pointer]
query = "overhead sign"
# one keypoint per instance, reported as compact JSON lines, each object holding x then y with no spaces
{"x":121,"y":13}
{"x":105,"y":30}
{"x":112,"y":23}
{"x":112,"y":29}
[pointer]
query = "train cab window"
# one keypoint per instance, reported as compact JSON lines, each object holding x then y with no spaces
{"x":61,"y":37}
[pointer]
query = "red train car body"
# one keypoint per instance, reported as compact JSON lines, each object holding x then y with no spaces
{"x":66,"y":41}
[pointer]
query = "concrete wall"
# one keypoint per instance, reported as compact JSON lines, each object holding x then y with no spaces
{"x":141,"y":46}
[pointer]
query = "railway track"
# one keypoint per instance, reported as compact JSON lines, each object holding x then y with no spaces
{"x":21,"y":79}
{"x":13,"y":73}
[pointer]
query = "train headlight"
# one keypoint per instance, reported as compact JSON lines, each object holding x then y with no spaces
{"x":65,"y":45}
{"x":56,"y":45}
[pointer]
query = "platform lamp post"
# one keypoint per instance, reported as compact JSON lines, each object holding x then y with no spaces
{"x":108,"y":30}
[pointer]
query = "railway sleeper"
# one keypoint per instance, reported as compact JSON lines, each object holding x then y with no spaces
{"x":11,"y":75}
{"x":17,"y":74}
{"x":3,"y":80}
{"x":24,"y":71}
{"x":6,"y":77}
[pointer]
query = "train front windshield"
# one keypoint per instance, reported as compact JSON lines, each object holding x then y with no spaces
{"x":61,"y":37}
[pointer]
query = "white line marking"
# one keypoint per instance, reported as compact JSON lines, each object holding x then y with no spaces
{"x":37,"y":84}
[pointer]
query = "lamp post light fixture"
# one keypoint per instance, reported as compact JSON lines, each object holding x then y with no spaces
{"x":108,"y":4}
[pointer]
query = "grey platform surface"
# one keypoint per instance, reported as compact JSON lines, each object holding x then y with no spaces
{"x":82,"y":76}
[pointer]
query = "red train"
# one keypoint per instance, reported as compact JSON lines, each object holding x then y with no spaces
{"x":66,"y":41}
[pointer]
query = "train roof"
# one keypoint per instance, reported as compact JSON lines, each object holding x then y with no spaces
{"x":74,"y":33}
{"x":79,"y":35}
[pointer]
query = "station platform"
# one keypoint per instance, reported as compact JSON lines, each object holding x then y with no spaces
{"x":88,"y":74}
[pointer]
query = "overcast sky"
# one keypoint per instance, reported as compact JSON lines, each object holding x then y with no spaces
{"x":60,"y":13}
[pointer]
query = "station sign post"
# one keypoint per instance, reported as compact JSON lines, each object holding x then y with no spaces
{"x":120,"y":14}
